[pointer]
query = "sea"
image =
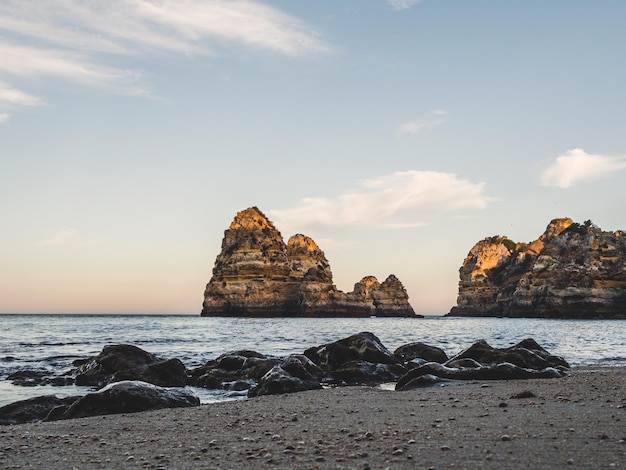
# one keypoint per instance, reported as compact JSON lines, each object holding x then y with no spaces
{"x":52,"y":342}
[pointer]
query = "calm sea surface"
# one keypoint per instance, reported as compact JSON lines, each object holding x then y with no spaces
{"x":52,"y":342}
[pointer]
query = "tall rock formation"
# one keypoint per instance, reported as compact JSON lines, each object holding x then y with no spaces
{"x":258,"y":275}
{"x":571,"y":271}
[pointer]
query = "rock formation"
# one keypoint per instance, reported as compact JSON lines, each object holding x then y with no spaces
{"x":258,"y":275}
{"x":358,"y":359}
{"x":571,"y":271}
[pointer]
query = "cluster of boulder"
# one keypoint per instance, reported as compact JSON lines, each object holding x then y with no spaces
{"x":257,"y":274}
{"x":130,"y":379}
{"x":571,"y":271}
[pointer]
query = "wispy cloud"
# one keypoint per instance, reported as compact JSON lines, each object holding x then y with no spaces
{"x":13,"y":96}
{"x":64,"y":237}
{"x":433,"y":119}
{"x":403,"y":4}
{"x":74,"y":40}
{"x":4,"y":117}
{"x":69,"y":237}
{"x":388,"y":202}
{"x":577,"y":166}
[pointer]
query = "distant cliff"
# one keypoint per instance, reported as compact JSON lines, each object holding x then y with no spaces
{"x":258,"y":275}
{"x":571,"y":271}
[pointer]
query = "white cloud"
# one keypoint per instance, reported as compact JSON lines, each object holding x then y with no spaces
{"x":4,"y":117}
{"x":432,"y":119}
{"x":74,"y":40}
{"x":577,"y":166}
{"x":390,"y":202}
{"x":403,"y":4}
{"x":132,"y":26}
{"x":13,"y":96}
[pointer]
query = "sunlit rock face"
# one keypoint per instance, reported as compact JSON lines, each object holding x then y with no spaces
{"x":571,"y":271}
{"x":256,"y":274}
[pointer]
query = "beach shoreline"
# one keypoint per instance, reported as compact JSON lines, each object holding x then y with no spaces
{"x":577,"y":420}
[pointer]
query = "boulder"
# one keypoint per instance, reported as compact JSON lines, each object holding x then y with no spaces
{"x":294,"y":374}
{"x":527,"y":354}
{"x":525,"y":360}
{"x":32,"y":410}
{"x":502,"y":371}
{"x":127,"y":362}
{"x":411,"y":351}
{"x":360,"y":358}
{"x":240,"y":369}
{"x":362,"y":346}
{"x":128,"y":396}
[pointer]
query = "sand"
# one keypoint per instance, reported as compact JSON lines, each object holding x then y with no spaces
{"x":576,"y":422}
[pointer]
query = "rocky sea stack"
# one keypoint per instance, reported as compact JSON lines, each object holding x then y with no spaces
{"x":258,"y":275}
{"x":571,"y":271}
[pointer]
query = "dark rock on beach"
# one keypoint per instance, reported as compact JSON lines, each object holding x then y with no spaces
{"x":234,"y":370}
{"x":127,"y":362}
{"x":571,"y":271}
{"x":418,"y":350}
{"x":358,"y":359}
{"x":32,"y":410}
{"x":294,"y":374}
{"x":124,"y":397}
{"x":257,"y":274}
{"x":480,"y":361}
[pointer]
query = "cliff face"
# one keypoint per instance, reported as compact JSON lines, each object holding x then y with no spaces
{"x":571,"y":271}
{"x":258,"y":275}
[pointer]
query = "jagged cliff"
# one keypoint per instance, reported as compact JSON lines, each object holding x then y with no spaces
{"x":257,"y":275}
{"x":571,"y":271}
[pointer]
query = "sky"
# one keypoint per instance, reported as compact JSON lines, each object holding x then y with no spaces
{"x":395,"y":133}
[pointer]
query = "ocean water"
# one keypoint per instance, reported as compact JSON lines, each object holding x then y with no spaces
{"x":52,"y":342}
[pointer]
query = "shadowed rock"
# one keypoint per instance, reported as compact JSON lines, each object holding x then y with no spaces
{"x":125,"y":397}
{"x":360,"y":358}
{"x":480,"y":361}
{"x":411,"y":351}
{"x":239,"y":369}
{"x":127,"y":362}
{"x":31,"y":410}
{"x":293,"y":374}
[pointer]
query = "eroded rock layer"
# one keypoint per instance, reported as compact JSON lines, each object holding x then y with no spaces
{"x":571,"y":271}
{"x":256,"y":274}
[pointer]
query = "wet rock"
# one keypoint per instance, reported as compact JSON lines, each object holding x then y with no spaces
{"x":29,"y":378}
{"x":33,"y":378}
{"x":241,"y":367}
{"x":411,"y":351}
{"x":527,"y":354}
{"x":357,"y":359}
{"x":364,"y":373}
{"x":362,"y":346}
{"x":31,"y":410}
{"x":127,"y":362}
{"x":125,"y":397}
{"x":502,"y":371}
{"x":278,"y":381}
{"x":480,"y":361}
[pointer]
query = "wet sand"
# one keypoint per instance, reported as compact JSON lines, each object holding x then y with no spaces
{"x":575,"y":422}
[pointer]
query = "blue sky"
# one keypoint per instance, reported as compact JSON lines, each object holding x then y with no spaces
{"x":395,"y":133}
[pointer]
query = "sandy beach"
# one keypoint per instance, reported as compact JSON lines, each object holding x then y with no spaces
{"x":578,"y":422}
